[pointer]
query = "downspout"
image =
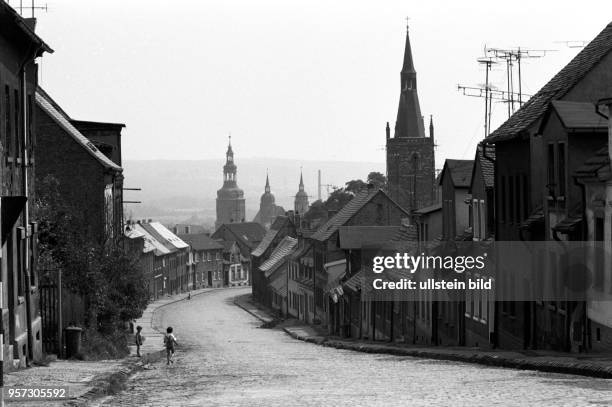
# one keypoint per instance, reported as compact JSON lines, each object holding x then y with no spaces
{"x":583,"y":236}
{"x":26,"y":210}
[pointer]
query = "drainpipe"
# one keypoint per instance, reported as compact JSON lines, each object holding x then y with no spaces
{"x":26,"y":212}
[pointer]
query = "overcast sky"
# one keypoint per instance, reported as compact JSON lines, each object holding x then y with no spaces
{"x":304,"y":80}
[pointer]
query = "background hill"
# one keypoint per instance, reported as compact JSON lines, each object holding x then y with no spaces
{"x":180,"y":191}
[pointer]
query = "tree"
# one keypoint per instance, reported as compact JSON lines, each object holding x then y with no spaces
{"x":377,"y":179}
{"x":103,"y":273}
{"x":354,"y":186}
{"x":337,"y":199}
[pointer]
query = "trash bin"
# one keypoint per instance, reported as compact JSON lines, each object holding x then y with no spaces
{"x":72,"y":335}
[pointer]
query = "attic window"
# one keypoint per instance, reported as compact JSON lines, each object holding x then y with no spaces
{"x":92,"y":147}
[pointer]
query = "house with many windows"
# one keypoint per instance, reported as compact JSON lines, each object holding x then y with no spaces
{"x":205,"y":265}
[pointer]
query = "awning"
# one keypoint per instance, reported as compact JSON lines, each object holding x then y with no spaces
{"x":568,"y":225}
{"x":335,"y":272}
{"x":355,"y":282}
{"x":12,"y":206}
{"x":536,"y":219}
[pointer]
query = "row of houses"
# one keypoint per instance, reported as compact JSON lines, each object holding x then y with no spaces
{"x":180,"y":261}
{"x":44,"y":149}
{"x":544,"y":175}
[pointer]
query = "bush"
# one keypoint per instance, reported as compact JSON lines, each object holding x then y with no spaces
{"x":100,"y":346}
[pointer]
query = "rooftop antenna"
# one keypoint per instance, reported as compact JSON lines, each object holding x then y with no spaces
{"x":512,"y":57}
{"x":573,"y":43}
{"x":33,"y":7}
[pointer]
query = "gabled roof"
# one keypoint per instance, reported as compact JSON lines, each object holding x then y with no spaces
{"x":354,"y":237}
{"x":48,"y":105}
{"x":460,"y":172}
{"x":596,"y":168}
{"x":579,"y":115}
{"x":279,"y":254}
{"x":265,"y":243}
{"x":249,"y":233}
{"x":201,"y":241}
{"x":277,"y":225}
{"x":487,"y":165}
{"x":167,"y":235}
{"x":10,"y":20}
{"x":133,"y":233}
{"x":347,"y":212}
{"x":556,"y":88}
{"x":153,"y":240}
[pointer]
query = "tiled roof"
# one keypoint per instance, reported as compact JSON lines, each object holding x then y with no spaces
{"x":153,"y":240}
{"x":597,"y":167}
{"x":354,"y":237}
{"x":486,"y":165}
{"x":345,"y":214}
{"x":163,"y":236}
{"x":265,"y":243}
{"x":556,"y":88}
{"x":24,"y":25}
{"x":59,"y":116}
{"x":460,"y":172}
{"x":278,"y":255}
{"x":250,"y":233}
{"x":579,"y":115}
{"x":201,"y":241}
{"x":133,"y":233}
{"x":355,"y":282}
{"x":277,"y":225}
{"x":166,"y":234}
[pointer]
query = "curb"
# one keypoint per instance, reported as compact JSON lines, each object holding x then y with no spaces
{"x":264,"y":320}
{"x":103,"y":385}
{"x":580,"y":369}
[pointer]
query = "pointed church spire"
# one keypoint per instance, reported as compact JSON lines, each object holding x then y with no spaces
{"x":409,"y":121}
{"x":229,"y":155}
{"x":408,"y":66}
{"x":267,"y":189}
{"x":301,"y":181}
{"x":431,"y":128}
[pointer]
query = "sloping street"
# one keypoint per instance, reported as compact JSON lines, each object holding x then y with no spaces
{"x":226,"y":359}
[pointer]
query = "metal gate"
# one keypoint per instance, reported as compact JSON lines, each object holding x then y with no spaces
{"x":49,"y":312}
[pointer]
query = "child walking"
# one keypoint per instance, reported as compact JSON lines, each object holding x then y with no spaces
{"x":139,"y":339}
{"x":170,"y":343}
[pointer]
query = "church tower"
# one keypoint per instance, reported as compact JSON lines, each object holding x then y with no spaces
{"x":410,"y":154}
{"x":267,"y":206}
{"x":230,"y":198}
{"x":300,"y":204}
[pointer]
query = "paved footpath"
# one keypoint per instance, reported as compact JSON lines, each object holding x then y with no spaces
{"x":226,"y":358}
{"x":88,"y":380}
{"x":594,"y":365}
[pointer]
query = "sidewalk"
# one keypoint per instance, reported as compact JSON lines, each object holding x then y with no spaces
{"x":593,"y":365}
{"x":88,"y":380}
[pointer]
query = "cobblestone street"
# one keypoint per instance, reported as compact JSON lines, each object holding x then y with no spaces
{"x":226,"y":359}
